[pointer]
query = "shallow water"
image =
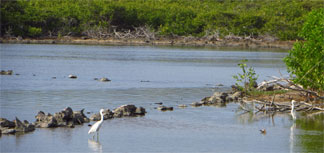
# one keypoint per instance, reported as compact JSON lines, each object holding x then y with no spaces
{"x":143,"y":76}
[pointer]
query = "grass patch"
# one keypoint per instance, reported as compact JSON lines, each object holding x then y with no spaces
{"x":257,"y":93}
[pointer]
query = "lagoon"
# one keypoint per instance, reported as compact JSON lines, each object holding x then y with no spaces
{"x":144,"y":75}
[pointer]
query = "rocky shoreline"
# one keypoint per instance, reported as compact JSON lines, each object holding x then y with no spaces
{"x":69,"y":119}
{"x":65,"y":118}
{"x":234,"y":41}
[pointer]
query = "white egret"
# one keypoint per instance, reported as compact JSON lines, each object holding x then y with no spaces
{"x":95,"y":127}
{"x":293,"y":112}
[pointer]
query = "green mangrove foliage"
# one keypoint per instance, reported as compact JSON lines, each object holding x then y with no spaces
{"x":306,"y":59}
{"x":247,"y":78}
{"x":35,"y":18}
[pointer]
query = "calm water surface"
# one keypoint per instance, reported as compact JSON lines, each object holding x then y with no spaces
{"x":143,"y":76}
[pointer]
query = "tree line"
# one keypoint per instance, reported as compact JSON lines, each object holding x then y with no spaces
{"x":43,"y":18}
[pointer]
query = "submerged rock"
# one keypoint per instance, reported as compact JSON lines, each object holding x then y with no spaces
{"x":104,"y":80}
{"x":9,"y":72}
{"x":72,"y":76}
{"x":182,"y":106}
{"x":197,"y":104}
{"x":164,"y":108}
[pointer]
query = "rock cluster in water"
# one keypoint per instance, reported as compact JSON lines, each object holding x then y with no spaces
{"x":218,"y":98}
{"x":65,"y":118}
{"x":12,"y":127}
{"x":122,"y":111}
{"x":3,"y":72}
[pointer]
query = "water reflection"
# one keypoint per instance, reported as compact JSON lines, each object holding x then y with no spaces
{"x":94,"y":145}
{"x":292,"y":137}
{"x":306,"y":131}
{"x":311,"y":137}
{"x":251,"y":117}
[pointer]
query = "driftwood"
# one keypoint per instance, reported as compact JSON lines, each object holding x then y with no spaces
{"x":267,"y":106}
{"x":289,"y":85}
{"x":98,"y":32}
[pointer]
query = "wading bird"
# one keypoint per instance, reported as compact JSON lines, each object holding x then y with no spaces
{"x":293,"y":112}
{"x":95,"y":127}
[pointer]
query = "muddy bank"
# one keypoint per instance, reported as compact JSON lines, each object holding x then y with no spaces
{"x":239,"y":42}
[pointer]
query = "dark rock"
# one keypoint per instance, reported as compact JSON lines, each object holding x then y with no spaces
{"x":64,"y":118}
{"x":23,"y":127}
{"x":255,"y":84}
{"x":9,"y":72}
{"x":104,"y":80}
{"x":6,"y":123}
{"x":204,"y":100}
{"x":8,"y":131}
{"x":72,"y":76}
{"x":79,"y":117}
{"x":17,"y":126}
{"x":108,"y":114}
{"x":235,"y":96}
{"x":196,"y":104}
{"x":128,"y":110}
{"x":145,"y":80}
{"x":164,"y":108}
{"x":218,"y":97}
{"x":229,"y":98}
{"x":235,"y":88}
{"x":271,"y":87}
{"x":45,"y":121}
{"x":159,"y":103}
{"x":140,"y":111}
{"x":64,"y":115}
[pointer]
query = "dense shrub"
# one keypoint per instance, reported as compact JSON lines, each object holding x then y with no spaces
{"x":282,"y":19}
{"x":306,"y":59}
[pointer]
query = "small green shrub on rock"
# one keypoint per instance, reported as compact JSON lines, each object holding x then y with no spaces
{"x":248,"y":78}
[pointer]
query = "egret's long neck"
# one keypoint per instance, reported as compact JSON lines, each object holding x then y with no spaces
{"x":101,"y":119}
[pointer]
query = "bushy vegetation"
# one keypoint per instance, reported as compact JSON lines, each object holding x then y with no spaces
{"x":306,"y":60}
{"x":34,"y":18}
{"x":247,"y":78}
